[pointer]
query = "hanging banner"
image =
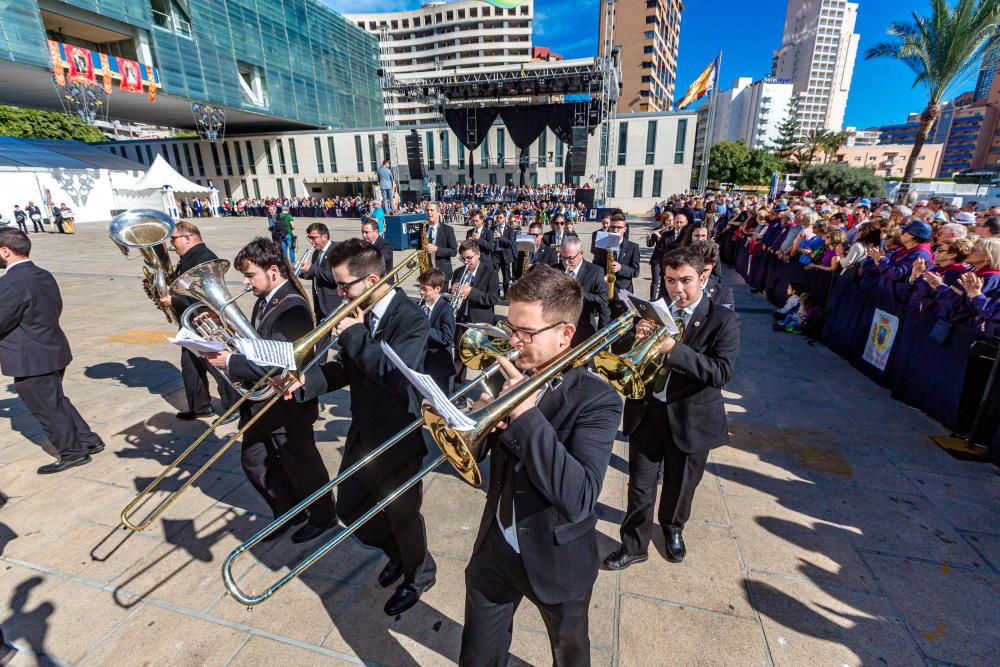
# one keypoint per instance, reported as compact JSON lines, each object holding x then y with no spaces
{"x":151,"y":82}
{"x":57,"y":63}
{"x":81,"y":67}
{"x":106,"y":72}
{"x":130,"y":74}
{"x":880,"y":339}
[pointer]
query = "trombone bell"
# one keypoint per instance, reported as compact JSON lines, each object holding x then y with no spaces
{"x":454,"y":445}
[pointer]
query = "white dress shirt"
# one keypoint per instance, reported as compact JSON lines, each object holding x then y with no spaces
{"x":686,"y":314}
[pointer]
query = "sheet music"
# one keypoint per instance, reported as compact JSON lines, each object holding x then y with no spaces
{"x":657,"y":311}
{"x":267,"y":352}
{"x":525,"y":243}
{"x":608,"y":241}
{"x":195,"y":343}
{"x":429,"y":389}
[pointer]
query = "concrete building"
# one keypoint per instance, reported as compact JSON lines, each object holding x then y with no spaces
{"x":987,"y":72}
{"x":970,"y":137}
{"x":460,"y":36}
{"x":817,"y":54}
{"x":751,"y":112}
{"x":648,"y":34}
{"x":889,"y":160}
{"x":270,"y":66}
{"x":653,"y":160}
{"x":869,"y":137}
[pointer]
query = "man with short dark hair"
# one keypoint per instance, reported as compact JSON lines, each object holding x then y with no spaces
{"x":20,"y":217}
{"x":481,"y":292}
{"x":441,"y":243}
{"x":481,"y":234}
{"x":987,"y":226}
{"x":542,"y":254}
{"x":35,"y":215}
{"x":325,"y":296}
{"x":624,"y":266}
{"x":504,"y":240}
{"x":35,"y":352}
{"x":370,"y":233}
{"x":714,"y":287}
{"x":537,"y":537}
{"x":438,"y":362}
{"x":386,"y":183}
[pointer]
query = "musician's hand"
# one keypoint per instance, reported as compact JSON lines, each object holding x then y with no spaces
{"x":466,"y":291}
{"x":644,"y":329}
{"x":217,"y":359}
{"x":514,"y":378}
{"x":204,"y":317}
{"x":306,"y":265}
{"x":348,"y":322}
{"x":286,"y":388}
{"x":483,"y":400}
{"x":668,"y":345}
{"x":430,"y":247}
{"x":165,"y":301}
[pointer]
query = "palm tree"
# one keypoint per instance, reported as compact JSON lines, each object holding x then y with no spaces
{"x":833,"y":143}
{"x":942,"y":49}
{"x":814,"y":143}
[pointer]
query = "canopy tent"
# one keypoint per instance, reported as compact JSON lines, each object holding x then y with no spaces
{"x":158,"y":188}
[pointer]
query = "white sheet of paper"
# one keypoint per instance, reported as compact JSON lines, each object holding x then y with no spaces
{"x":429,"y":389}
{"x":608,"y":241}
{"x":195,"y":343}
{"x":267,"y":352}
{"x":659,"y":307}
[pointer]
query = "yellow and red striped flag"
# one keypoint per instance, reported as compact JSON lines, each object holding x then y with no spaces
{"x":704,"y":84}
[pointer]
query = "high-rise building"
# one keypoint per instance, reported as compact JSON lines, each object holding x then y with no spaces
{"x":461,"y":36}
{"x":647,"y":32}
{"x":751,"y":112}
{"x":987,"y":72}
{"x":817,"y":54}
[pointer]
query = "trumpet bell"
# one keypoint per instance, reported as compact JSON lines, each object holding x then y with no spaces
{"x":620,"y":374}
{"x":455,"y":445}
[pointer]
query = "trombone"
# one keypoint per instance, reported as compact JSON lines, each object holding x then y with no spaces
{"x":461,"y":449}
{"x":305,"y":359}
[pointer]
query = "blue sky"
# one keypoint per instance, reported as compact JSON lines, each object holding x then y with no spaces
{"x":747,"y":32}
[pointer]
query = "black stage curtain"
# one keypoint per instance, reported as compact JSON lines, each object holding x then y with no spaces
{"x":458,"y":122}
{"x":525,"y":124}
{"x":561,"y":119}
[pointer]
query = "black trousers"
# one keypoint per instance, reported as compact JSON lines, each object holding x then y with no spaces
{"x":38,"y":227}
{"x":63,"y":426}
{"x":656,"y":280}
{"x":495,"y":584}
{"x":195,"y":372}
{"x":282,"y":462}
{"x":22,"y":225}
{"x":649,"y":445}
{"x":505,"y":272}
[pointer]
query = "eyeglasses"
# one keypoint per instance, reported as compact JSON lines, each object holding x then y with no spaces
{"x":346,"y":286}
{"x":569,"y":258}
{"x":179,"y":236}
{"x":618,"y":228}
{"x":526,"y":336}
{"x":467,"y":258}
{"x":558,"y":224}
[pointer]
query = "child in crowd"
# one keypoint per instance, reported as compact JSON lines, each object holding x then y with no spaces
{"x":793,"y":292}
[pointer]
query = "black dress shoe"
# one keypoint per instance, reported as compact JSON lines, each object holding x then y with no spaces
{"x":405,"y":597}
{"x":231,"y":418}
{"x":619,"y":560}
{"x":96,"y":449}
{"x":675,"y":547}
{"x":64,"y":464}
{"x":188,"y":415}
{"x":308,"y":532}
{"x":390,"y":574}
{"x":3,"y":500}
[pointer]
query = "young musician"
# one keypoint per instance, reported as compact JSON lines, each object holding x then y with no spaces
{"x":279,"y":453}
{"x":441,"y":243}
{"x":682,"y":416}
{"x":441,"y":337}
{"x":481,"y":234}
{"x":382,"y":404}
{"x":483,"y":292}
{"x":504,"y":247}
{"x":35,"y":352}
{"x":537,"y":537}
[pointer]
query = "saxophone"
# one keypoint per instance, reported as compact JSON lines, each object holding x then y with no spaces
{"x":425,"y":257}
{"x":609,"y":276}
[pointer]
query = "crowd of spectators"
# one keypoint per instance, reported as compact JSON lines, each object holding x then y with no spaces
{"x":484,"y":193}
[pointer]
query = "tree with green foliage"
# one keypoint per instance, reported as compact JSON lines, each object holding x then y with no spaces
{"x":836,"y":178}
{"x":942,"y":50}
{"x":37,"y":124}
{"x":834,"y":142}
{"x":789,"y":132}
{"x":733,"y":162}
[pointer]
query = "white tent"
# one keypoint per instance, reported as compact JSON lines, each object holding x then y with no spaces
{"x":158,"y":188}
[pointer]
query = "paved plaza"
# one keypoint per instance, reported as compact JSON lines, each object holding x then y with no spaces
{"x":831,"y":532}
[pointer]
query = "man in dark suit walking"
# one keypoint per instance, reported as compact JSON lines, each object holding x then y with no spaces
{"x":481,"y":234}
{"x":441,"y":243}
{"x":382,"y":404}
{"x":682,"y":416}
{"x":595,"y":313}
{"x":35,"y":352}
{"x":542,"y":254}
{"x":188,"y":243}
{"x":35,"y":215}
{"x":325,"y":296}
{"x":504,"y":242}
{"x":370,"y":233}
{"x":537,"y":537}
{"x":625,"y":266}
{"x":438,"y":362}
{"x":278,"y":453}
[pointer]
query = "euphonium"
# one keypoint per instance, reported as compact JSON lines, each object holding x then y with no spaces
{"x":149,"y":232}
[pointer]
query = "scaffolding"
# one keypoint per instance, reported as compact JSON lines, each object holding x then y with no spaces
{"x":391,"y":121}
{"x":610,"y":87}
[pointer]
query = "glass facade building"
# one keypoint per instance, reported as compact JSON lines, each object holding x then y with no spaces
{"x":286,"y":60}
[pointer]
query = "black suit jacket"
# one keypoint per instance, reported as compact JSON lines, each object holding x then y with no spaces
{"x":326,"y":297}
{"x":485,"y":294}
{"x":486,"y":240}
{"x":196,"y":255}
{"x":699,"y":367}
{"x":719,"y":293}
{"x":549,"y":237}
{"x":31,"y":341}
{"x":543,"y":255}
{"x":596,"y":309}
{"x":385,"y":248}
{"x":628,"y":257}
{"x":447,"y":247}
{"x":382,"y":399}
{"x":504,"y":245}
{"x":439,"y":361}
{"x":563,"y":448}
{"x":286,"y":317}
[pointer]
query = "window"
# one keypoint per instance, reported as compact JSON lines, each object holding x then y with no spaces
{"x":318,"y":145}
{"x":281,"y":156}
{"x":358,"y":156}
{"x":197,"y":157}
{"x":445,"y":158}
{"x":138,"y":155}
{"x":682,"y":126}
{"x":215,"y":159}
{"x":651,"y":142}
{"x":543,"y":148}
{"x":559,"y":152}
{"x":429,"y":137}
{"x":170,"y":15}
{"x":647,"y":49}
{"x":623,"y":142}
{"x":253,"y":84}
{"x":227,"y":188}
{"x":493,"y":179}
{"x":177,"y":156}
{"x":484,"y":153}
{"x":295,"y":156}
{"x":256,"y":189}
{"x":270,"y":158}
{"x":251,"y":160}
{"x":611,"y":183}
{"x":291,"y":187}
{"x":533,"y":178}
{"x":239,"y":161}
{"x":637,"y":186}
{"x":461,"y":156}
{"x":281,"y":188}
{"x":244,"y":190}
{"x":332,"y":154}
{"x":229,"y":159}
{"x":187,"y":159}
{"x":149,"y":153}
{"x":372,"y":153}
{"x":657,"y":182}
{"x":501,"y":139}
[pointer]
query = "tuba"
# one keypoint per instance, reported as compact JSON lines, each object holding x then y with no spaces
{"x":149,"y":232}
{"x":206,"y":283}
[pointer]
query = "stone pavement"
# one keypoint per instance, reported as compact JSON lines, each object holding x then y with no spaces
{"x":831,"y":532}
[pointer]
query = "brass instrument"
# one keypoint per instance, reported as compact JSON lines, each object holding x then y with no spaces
{"x":148,"y":231}
{"x":302,"y":260}
{"x":207,"y":284}
{"x":609,"y":276}
{"x":631,"y":372}
{"x":305,"y":359}
{"x":490,"y":381}
{"x":456,"y":298}
{"x":477,"y":349}
{"x":426,"y":261}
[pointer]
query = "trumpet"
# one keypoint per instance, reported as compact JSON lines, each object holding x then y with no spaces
{"x":487,"y":382}
{"x":298,"y":265}
{"x":456,"y":298}
{"x":305,"y":359}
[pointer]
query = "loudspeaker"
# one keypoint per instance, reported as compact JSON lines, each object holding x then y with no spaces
{"x":577,"y":158}
{"x":584,"y":196}
{"x":415,"y":156}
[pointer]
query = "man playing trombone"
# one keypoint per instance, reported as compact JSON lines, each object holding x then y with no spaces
{"x":382,"y":404}
{"x":537,"y":536}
